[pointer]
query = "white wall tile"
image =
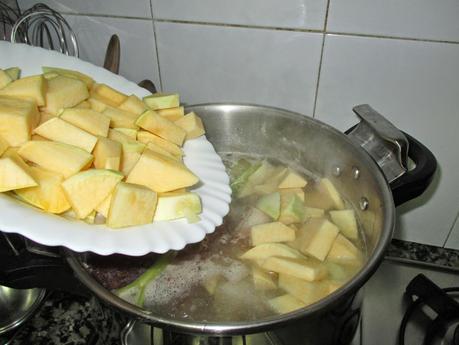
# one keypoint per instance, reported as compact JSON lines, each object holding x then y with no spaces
{"x":453,"y":240}
{"x":415,"y":84}
{"x":211,"y":63}
{"x":138,"y":54}
{"x":136,"y":8}
{"x":408,"y":18}
{"x":308,"y":14}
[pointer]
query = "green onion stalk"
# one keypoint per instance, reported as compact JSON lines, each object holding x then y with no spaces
{"x":149,"y":275}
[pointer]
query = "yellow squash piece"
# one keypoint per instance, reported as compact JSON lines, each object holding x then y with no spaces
{"x":176,"y":205}
{"x":316,"y":237}
{"x":168,"y":175}
{"x":120,"y":118}
{"x":87,"y":189}
{"x":131,"y":150}
{"x":307,"y":292}
{"x":64,"y":92}
{"x":107,"y":154}
{"x":285,"y":304}
{"x":323,"y":195}
{"x":131,"y":205}
{"x":97,"y":104}
{"x":271,"y":232}
{"x":192,"y":124}
{"x":87,"y":119}
{"x":13,"y":72}
{"x":162,"y":127}
{"x":158,"y":149}
{"x":33,"y":87}
{"x":133,"y":104}
{"x":172,"y":114}
{"x":162,"y":100}
{"x":131,"y":133}
{"x":3,"y":145}
{"x":108,"y":94}
{"x":343,"y":250}
{"x":64,"y":132}
{"x":266,"y":250}
{"x":48,"y":195}
{"x":14,"y":176}
{"x":104,"y":206}
{"x":305,"y":269}
{"x":83,"y":105}
{"x":262,"y":280}
{"x":346,"y":222}
{"x":70,"y":74}
{"x":17,"y":119}
{"x":292,"y":180}
{"x":58,"y":157}
{"x":146,"y":137}
{"x":5,"y":79}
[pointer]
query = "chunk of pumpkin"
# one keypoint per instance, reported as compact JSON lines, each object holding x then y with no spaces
{"x":17,"y":119}
{"x":162,"y":127}
{"x":58,"y":157}
{"x":33,"y":87}
{"x":87,"y":119}
{"x":107,"y":154}
{"x":316,"y":237}
{"x":131,"y":205}
{"x":64,"y":92}
{"x":271,"y":232}
{"x":146,"y":137}
{"x":14,"y":176}
{"x":192,"y":124}
{"x":64,"y":132}
{"x":48,"y":195}
{"x":169,"y":173}
{"x":133,"y":104}
{"x":162,"y":100}
{"x":87,"y":189}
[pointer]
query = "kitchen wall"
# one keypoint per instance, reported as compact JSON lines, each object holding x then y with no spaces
{"x":316,"y":57}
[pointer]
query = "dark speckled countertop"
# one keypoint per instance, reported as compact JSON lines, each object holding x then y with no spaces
{"x":70,"y":320}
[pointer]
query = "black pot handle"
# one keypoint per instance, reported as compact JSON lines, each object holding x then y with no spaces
{"x":21,"y":269}
{"x":414,"y":182}
{"x":391,"y":149}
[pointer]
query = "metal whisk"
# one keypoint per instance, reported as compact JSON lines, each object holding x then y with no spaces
{"x":42,"y":26}
{"x":8,"y":16}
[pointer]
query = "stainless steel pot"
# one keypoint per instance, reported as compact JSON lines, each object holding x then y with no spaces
{"x":307,"y":143}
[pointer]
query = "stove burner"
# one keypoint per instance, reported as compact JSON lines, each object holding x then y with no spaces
{"x":445,"y":325}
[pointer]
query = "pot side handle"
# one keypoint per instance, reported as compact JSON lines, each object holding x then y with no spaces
{"x":392,"y":150}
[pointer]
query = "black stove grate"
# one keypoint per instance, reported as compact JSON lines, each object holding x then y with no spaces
{"x":422,"y":291}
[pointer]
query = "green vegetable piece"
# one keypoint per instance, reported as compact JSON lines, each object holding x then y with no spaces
{"x":292,"y":210}
{"x":238,"y":184}
{"x":141,"y":282}
{"x":270,"y":204}
{"x":239,"y":168}
{"x":13,"y":72}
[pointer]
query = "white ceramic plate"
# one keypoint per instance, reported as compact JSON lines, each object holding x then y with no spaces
{"x":157,"y":237}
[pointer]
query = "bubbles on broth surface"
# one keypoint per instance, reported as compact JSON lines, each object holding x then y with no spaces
{"x":208,"y":281}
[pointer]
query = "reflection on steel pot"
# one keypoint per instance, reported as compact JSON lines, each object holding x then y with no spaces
{"x":303,"y":142}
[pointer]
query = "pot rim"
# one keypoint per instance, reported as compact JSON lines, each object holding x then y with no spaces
{"x":247,"y":327}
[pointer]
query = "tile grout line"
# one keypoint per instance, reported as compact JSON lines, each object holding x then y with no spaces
{"x":289,"y":29}
{"x":451,"y":230}
{"x":388,"y":37}
{"x":320,"y":61}
{"x":245,"y":26}
{"x":156,"y":47}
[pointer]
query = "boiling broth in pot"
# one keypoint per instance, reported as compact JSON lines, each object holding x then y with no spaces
{"x":288,"y":241}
